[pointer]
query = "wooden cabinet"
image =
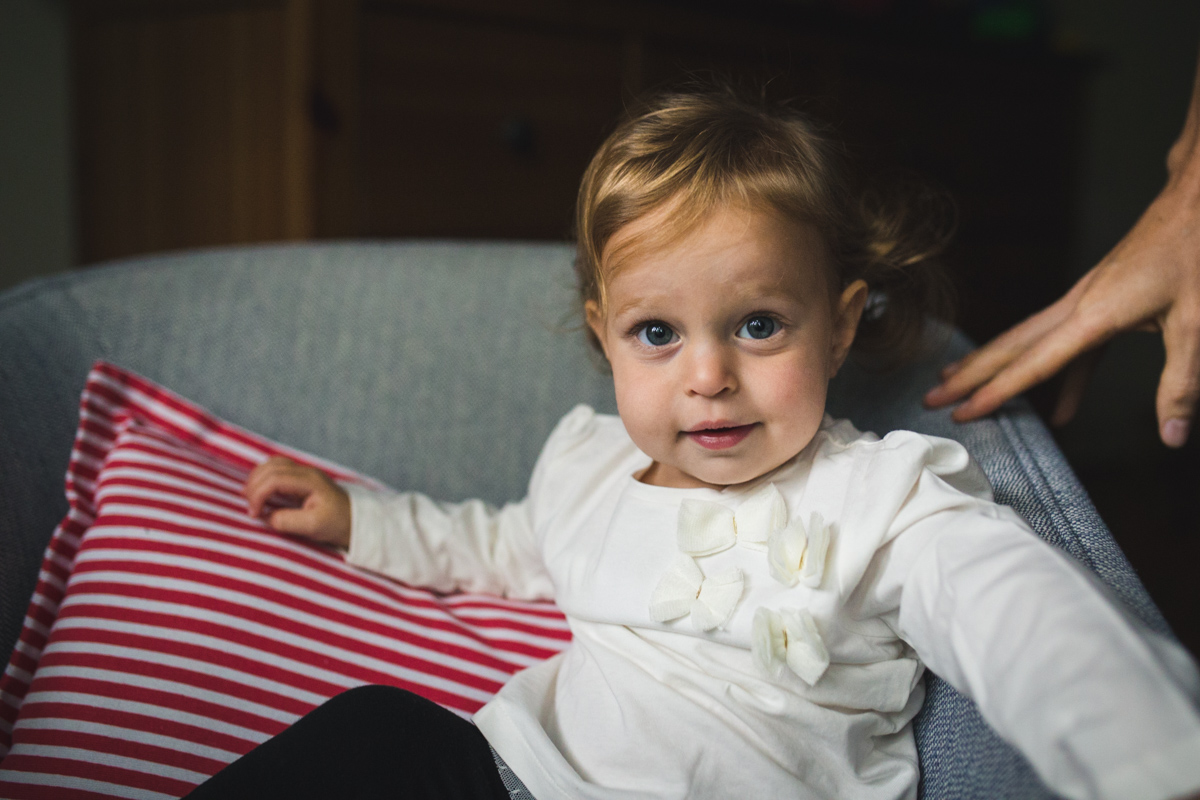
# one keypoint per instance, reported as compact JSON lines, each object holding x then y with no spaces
{"x":480,"y":128}
{"x":190,"y":129}
{"x":204,"y":122}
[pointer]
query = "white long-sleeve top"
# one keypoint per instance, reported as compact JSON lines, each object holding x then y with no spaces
{"x":922,"y":569}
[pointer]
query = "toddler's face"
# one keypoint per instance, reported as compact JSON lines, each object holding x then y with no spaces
{"x":722,"y":344}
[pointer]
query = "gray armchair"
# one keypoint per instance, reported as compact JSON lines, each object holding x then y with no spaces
{"x":440,"y":367}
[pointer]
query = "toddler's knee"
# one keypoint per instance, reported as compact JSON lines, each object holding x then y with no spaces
{"x":379,"y":714}
{"x":373,"y":702}
{"x":373,"y":696}
{"x":388,"y":722}
{"x":363,"y":707}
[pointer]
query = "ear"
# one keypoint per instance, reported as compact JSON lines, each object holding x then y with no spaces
{"x":595,"y":321}
{"x":847,"y":312}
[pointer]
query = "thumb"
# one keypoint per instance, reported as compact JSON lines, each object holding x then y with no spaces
{"x":1179,"y":387}
{"x":296,"y":521}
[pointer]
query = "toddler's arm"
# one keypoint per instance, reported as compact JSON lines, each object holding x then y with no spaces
{"x":469,"y":546}
{"x":1102,"y":707}
{"x":466,"y":546}
{"x":472,"y":546}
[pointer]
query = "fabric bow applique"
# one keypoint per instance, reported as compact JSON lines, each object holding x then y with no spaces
{"x":797,"y":554}
{"x":706,"y":527}
{"x":789,"y":638}
{"x":685,"y":589}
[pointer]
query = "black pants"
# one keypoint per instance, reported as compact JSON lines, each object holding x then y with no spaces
{"x":370,"y":742}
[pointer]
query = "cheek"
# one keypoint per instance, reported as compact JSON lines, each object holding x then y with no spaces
{"x":641,"y":401}
{"x":798,"y":384}
{"x":793,"y":399}
{"x":798,"y":404}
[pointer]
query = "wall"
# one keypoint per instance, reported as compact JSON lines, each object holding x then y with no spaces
{"x":1134,"y":109}
{"x":37,"y":232}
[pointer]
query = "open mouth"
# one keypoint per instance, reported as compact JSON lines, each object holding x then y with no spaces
{"x":719,"y":437}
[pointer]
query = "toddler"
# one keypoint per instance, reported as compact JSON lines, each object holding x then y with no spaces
{"x":754,"y":589}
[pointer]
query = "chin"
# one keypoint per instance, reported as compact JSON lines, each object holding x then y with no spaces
{"x":733,"y":472}
{"x":729,"y":476}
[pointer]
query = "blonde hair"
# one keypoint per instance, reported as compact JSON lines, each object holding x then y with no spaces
{"x":705,"y":147}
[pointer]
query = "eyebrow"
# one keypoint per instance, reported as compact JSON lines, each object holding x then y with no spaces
{"x":627,"y":307}
{"x":759,"y":295}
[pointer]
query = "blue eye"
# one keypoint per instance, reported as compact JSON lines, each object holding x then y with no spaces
{"x":758,"y":328}
{"x":656,"y":334}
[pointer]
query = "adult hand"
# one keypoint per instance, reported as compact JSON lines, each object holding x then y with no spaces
{"x":324,"y":511}
{"x":1150,"y":281}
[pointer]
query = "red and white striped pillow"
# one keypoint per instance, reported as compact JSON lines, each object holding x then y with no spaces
{"x":170,"y":632}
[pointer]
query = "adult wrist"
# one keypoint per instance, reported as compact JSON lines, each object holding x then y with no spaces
{"x":1183,"y":159}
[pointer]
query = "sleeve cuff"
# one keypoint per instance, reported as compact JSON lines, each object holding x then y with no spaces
{"x":366,"y":528}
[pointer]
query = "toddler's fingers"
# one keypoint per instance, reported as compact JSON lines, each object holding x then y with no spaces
{"x":257,"y":487}
{"x":295,"y":521}
{"x":263,"y":472}
{"x":272,"y":463}
{"x":299,"y":483}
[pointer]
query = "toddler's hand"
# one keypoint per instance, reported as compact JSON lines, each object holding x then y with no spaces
{"x":323,"y":514}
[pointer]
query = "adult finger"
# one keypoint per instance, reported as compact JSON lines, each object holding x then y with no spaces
{"x":1179,"y":386}
{"x":977,"y":368}
{"x":1075,"y":382}
{"x":1037,"y":364}
{"x":973,"y":370}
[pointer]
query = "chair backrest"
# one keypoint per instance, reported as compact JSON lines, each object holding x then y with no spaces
{"x":439,"y":367}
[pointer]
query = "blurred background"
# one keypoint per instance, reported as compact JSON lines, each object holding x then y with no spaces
{"x":136,"y":126}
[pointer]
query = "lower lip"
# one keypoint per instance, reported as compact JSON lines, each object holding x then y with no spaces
{"x":721,"y":439}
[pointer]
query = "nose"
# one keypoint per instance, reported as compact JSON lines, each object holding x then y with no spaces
{"x":711,"y":370}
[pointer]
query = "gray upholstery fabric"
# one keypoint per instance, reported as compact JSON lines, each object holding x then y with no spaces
{"x":441,"y":367}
